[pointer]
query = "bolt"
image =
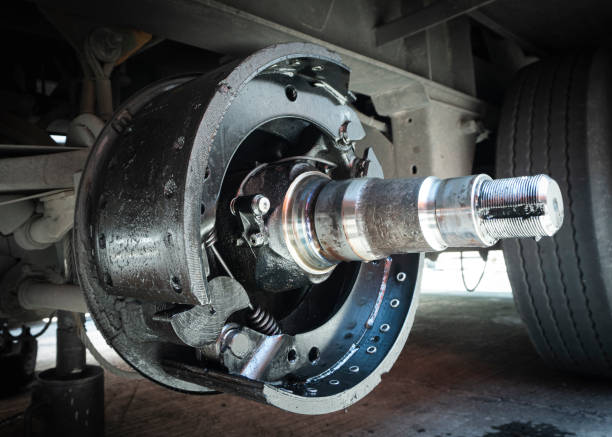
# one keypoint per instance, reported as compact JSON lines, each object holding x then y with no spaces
{"x":260,"y":205}
{"x":257,"y":239}
{"x":528,"y":206}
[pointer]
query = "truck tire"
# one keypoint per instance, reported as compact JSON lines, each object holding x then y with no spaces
{"x":557,"y":119}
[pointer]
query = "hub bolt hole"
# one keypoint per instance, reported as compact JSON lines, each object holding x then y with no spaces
{"x":314,"y":354}
{"x":292,"y":355}
{"x":291,"y":93}
{"x":175,"y":282}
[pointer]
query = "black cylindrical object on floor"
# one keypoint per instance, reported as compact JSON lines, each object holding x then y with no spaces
{"x":69,"y":405}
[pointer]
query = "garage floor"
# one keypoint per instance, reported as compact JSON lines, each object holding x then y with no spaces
{"x":468,"y":370}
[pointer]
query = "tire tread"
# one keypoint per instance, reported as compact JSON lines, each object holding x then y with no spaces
{"x":555,"y":293}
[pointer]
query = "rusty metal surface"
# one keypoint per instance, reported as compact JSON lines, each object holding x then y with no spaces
{"x":382,"y":215}
{"x":202,"y":324}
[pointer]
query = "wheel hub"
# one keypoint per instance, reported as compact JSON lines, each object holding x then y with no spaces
{"x":228,"y":238}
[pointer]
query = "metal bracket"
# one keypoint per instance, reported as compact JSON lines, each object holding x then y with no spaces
{"x":202,"y":324}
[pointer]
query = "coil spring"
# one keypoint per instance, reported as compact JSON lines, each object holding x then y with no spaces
{"x":262,"y":321}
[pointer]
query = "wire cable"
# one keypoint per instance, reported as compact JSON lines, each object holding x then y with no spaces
{"x":468,"y":289}
{"x":107,"y":365}
{"x":44,"y":329}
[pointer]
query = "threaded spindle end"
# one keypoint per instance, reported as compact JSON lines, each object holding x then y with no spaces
{"x":528,"y":206}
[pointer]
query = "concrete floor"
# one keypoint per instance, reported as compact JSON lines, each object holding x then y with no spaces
{"x":468,"y":370}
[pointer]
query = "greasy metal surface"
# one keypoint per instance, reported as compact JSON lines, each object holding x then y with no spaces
{"x":353,"y":349}
{"x":368,"y":218}
{"x":427,"y":214}
{"x":152,"y":244}
{"x":146,"y":240}
{"x":121,"y":321}
{"x":202,"y":324}
{"x":232,"y":384}
{"x":392,"y":227}
{"x":385,"y":217}
{"x":297,"y":225}
{"x":328,"y":222}
{"x":148,"y":181}
{"x":272,"y":268}
{"x":120,"y":204}
{"x":456,"y":212}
